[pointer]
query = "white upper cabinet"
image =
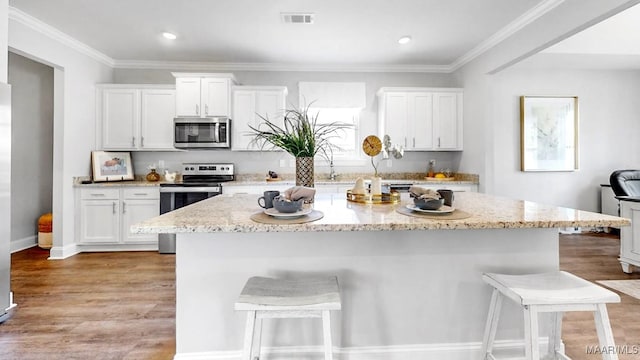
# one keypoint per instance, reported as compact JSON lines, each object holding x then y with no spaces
{"x":135,"y":117}
{"x":203,"y":95}
{"x":251,"y":102}
{"x":421,"y":119}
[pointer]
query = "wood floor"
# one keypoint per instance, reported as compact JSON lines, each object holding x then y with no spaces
{"x":121,"y":305}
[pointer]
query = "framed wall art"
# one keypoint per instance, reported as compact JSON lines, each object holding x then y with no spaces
{"x":548,"y":133}
{"x":111,"y":166}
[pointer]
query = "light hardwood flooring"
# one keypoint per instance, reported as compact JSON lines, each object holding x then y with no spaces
{"x":121,"y":305}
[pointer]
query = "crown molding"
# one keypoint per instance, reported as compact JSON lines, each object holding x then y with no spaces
{"x":57,"y":35}
{"x":221,"y":66}
{"x":512,"y":28}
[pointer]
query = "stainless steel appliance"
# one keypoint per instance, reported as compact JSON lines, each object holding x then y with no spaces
{"x":202,"y":133}
{"x":199,"y":181}
{"x":6,"y":298}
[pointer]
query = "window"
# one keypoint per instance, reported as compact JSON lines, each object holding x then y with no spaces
{"x":346,"y":140}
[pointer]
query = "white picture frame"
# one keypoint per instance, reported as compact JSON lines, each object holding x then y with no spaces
{"x":111,"y":166}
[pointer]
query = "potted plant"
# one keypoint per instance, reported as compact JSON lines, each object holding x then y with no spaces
{"x":302,"y":136}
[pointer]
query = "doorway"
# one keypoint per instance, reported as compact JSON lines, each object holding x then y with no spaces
{"x":32,"y":114}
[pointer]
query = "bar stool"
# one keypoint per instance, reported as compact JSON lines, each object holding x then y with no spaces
{"x":554,"y":292}
{"x":279,"y":298}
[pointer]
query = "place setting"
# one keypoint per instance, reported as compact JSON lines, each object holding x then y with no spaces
{"x":432,"y":204}
{"x":291,"y":207}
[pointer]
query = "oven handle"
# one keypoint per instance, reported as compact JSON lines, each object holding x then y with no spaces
{"x":190,"y":189}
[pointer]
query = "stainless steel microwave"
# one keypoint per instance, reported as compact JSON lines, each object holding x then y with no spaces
{"x":202,"y":133}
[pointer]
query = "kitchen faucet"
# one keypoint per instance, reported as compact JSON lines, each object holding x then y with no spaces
{"x":332,"y":173}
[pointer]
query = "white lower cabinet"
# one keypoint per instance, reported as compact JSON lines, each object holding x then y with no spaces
{"x":630,"y":236}
{"x":106,"y":215}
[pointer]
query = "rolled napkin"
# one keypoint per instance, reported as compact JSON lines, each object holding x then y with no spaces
{"x":300,"y":192}
{"x":420,"y":192}
{"x":359,"y":188}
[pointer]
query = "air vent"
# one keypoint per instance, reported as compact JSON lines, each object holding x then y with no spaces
{"x":297,"y":18}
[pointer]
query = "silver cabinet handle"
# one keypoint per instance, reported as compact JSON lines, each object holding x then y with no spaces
{"x":206,"y":110}
{"x":133,"y":141}
{"x":141,"y":141}
{"x":438,"y":141}
{"x":197,"y":109}
{"x":414,"y":142}
{"x":114,"y":207}
{"x":124,"y":207}
{"x":405,"y":141}
{"x":140,"y":194}
{"x":97,"y":195}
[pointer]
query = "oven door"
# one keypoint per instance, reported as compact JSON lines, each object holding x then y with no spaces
{"x":175,"y":197}
{"x":194,"y":133}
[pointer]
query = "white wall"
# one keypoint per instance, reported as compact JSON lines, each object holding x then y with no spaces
{"x":75,"y":76}
{"x":4,"y":34}
{"x":32,"y":164}
{"x":251,"y":162}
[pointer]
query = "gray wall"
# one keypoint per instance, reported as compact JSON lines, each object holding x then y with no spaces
{"x":251,"y":162}
{"x":608,"y":132}
{"x":32,"y":145}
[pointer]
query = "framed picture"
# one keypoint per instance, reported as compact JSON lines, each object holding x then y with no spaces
{"x":111,"y":166}
{"x":548,"y":133}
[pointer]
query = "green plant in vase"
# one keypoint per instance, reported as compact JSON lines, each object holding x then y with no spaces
{"x":302,"y":136}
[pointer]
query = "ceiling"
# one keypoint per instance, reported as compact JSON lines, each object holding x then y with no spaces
{"x":355,"y":33}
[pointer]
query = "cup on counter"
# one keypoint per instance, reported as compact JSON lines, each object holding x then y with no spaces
{"x":267,"y":199}
{"x":447,"y":195}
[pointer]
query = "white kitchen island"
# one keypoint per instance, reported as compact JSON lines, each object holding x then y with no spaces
{"x":411,"y":287}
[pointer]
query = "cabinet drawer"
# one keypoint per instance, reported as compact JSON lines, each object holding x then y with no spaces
{"x":141,"y":193}
{"x":97,"y":194}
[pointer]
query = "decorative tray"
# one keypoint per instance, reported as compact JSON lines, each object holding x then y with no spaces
{"x":391,"y":198}
{"x":269,"y":179}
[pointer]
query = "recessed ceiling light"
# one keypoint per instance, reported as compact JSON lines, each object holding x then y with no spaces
{"x":169,"y":35}
{"x":404,"y":40}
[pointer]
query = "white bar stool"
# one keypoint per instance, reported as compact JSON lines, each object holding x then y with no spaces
{"x":278,"y":298}
{"x":554,"y":292}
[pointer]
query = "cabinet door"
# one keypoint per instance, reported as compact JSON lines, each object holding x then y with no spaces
{"x":135,"y":211}
{"x":395,"y":118}
{"x":120,"y":118}
{"x":215,"y":97}
{"x":188,"y":97}
{"x":99,"y":221}
{"x":244,"y":114}
{"x":420,"y":119}
{"x":156,"y":125}
{"x":270,"y":104}
{"x":446,"y":121}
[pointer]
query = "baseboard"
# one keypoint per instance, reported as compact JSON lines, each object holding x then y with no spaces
{"x":63,"y":252}
{"x":24,"y":243}
{"x":504,"y":349}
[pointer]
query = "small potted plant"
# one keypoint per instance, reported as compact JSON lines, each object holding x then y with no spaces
{"x":302,"y":136}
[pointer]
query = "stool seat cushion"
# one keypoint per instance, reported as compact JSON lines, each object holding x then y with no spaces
{"x":557,"y":287}
{"x":261,"y":293}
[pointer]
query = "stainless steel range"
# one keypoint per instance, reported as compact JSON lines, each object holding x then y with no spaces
{"x":199,"y":181}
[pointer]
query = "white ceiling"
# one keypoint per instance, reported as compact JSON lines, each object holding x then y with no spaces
{"x":347,"y":32}
{"x":356,"y":33}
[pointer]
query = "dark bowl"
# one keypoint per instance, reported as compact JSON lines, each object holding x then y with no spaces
{"x":428,"y":204}
{"x":286,"y":206}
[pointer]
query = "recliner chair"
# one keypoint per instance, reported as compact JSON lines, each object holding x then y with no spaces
{"x":625,"y":182}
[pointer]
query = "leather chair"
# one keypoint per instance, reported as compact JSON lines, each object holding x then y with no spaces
{"x":625,"y":182}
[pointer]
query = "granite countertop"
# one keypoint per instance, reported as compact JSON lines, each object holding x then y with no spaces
{"x":231,"y":213}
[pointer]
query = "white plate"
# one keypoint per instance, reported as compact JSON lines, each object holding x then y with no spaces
{"x":275,"y":213}
{"x":444,"y":209}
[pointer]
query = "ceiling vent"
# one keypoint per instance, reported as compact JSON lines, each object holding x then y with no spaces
{"x":297,"y":18}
